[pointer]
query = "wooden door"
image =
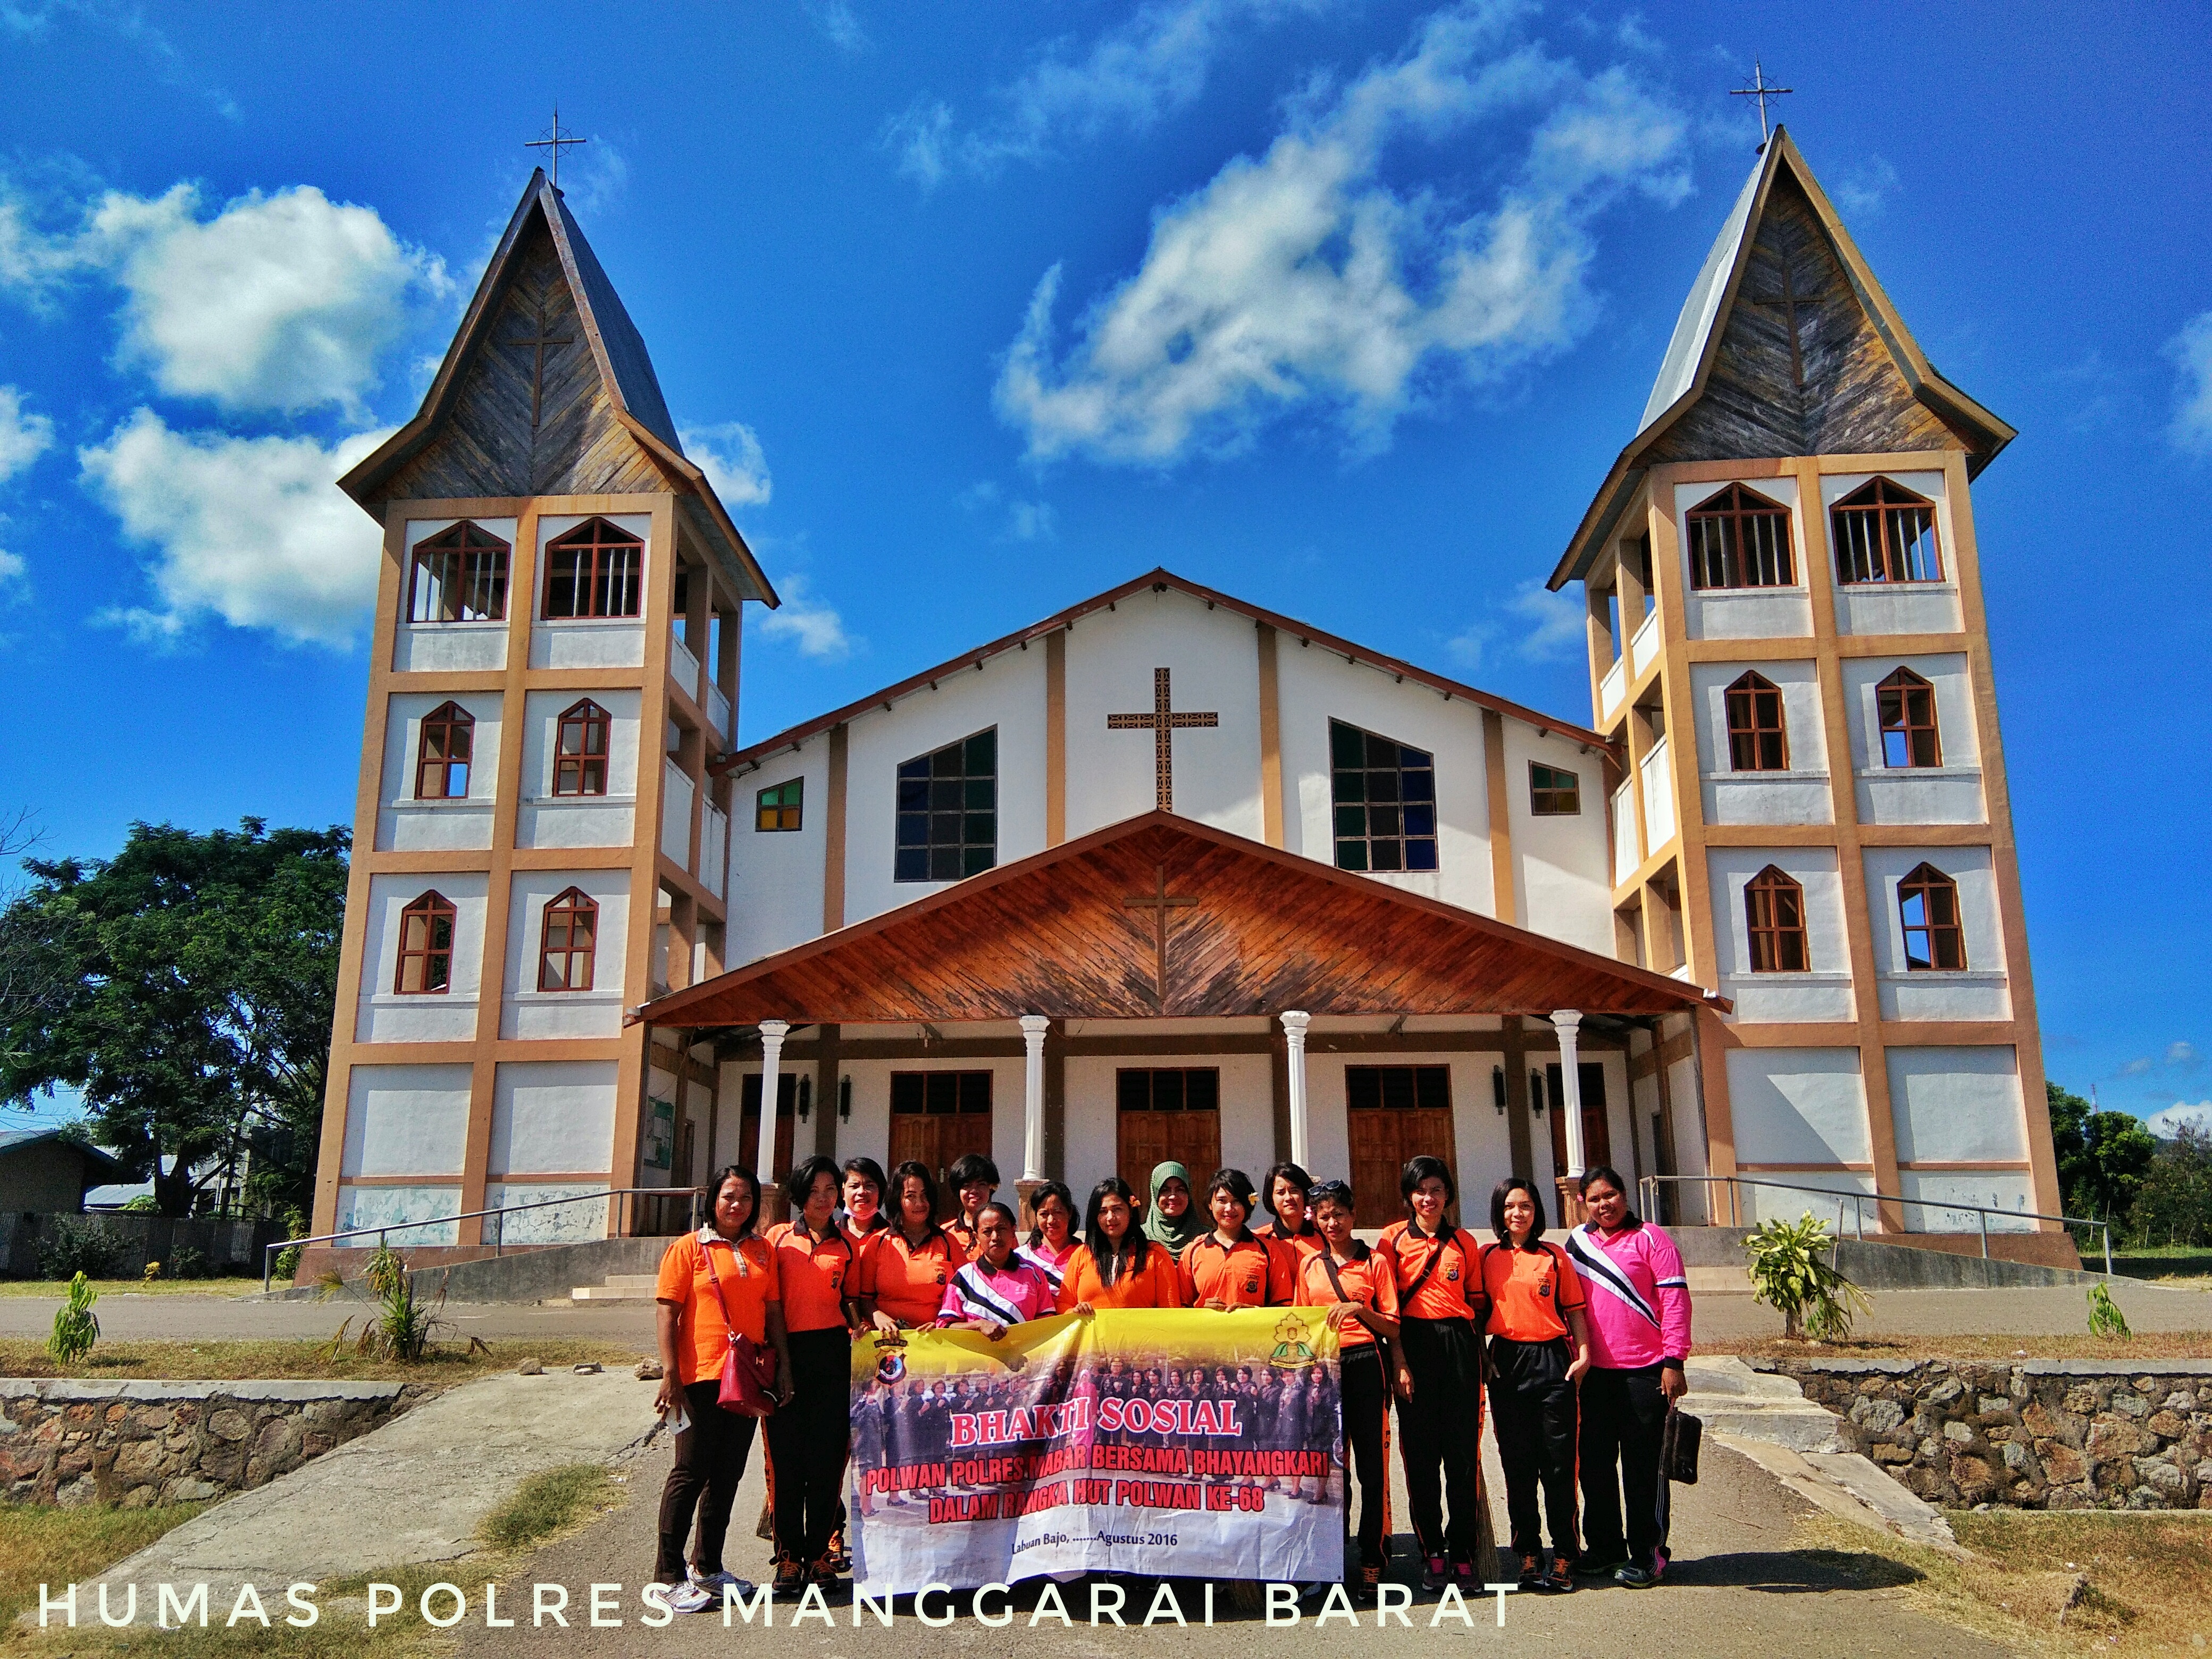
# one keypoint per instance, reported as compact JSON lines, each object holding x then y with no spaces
{"x":1166,"y":1116}
{"x":938,"y":1118}
{"x":786,"y":1116}
{"x":1597,"y":1137}
{"x":1391,"y":1114}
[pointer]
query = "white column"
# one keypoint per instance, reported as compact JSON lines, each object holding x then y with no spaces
{"x":1294,"y":1034}
{"x":1034,"y":1026}
{"x":773,"y":1032}
{"x":1566,"y":1022}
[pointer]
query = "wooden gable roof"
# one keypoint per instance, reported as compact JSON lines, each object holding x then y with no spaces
{"x":1077,"y":932}
{"x":593,"y":421}
{"x":1785,"y":296}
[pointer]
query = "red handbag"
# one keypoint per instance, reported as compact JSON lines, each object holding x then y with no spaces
{"x":748,"y":1369}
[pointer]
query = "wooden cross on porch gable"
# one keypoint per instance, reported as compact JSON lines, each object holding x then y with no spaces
{"x":1159,"y":901}
{"x":535,"y":344}
{"x":1163,"y":723}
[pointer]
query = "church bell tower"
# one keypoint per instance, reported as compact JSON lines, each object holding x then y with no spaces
{"x":1809,"y":810}
{"x":539,"y":847}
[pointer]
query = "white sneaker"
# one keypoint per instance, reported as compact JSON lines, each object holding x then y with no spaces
{"x":688,"y":1597}
{"x":718,"y":1581}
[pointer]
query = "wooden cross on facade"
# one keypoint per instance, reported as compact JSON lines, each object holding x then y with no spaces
{"x":1159,"y":901}
{"x":1163,"y":723}
{"x":535,"y":343}
{"x":1786,"y":303}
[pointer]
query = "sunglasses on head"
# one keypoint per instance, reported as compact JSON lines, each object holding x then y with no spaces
{"x":1336,"y":1189}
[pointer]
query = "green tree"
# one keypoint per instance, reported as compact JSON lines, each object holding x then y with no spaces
{"x":2174,"y":1204}
{"x":2102,"y":1156}
{"x":196,"y":1019}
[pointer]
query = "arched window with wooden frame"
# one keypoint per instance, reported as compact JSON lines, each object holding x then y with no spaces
{"x":442,"y":752}
{"x":1886,"y":533}
{"x":1927,"y":905}
{"x":580,"y":751}
{"x":596,"y":569}
{"x":1739,"y":538}
{"x":425,"y":966}
{"x":1758,"y":739}
{"x":459,"y":574}
{"x":1905,"y":705}
{"x":1774,"y":911}
{"x":569,"y":942}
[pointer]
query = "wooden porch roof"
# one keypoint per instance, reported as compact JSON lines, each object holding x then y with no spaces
{"x":1077,"y":933}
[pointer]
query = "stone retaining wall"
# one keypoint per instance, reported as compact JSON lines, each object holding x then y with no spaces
{"x":2042,"y":1434}
{"x":135,"y":1443}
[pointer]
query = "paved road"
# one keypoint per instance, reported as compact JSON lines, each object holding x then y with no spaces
{"x":2058,"y":1310}
{"x":1738,"y":1588}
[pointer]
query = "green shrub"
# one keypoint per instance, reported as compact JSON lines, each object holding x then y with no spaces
{"x":288,"y":1259}
{"x":1793,"y":1270}
{"x":2105,"y":1318}
{"x":78,"y":1245}
{"x":75,"y":1326}
{"x":185,"y":1262}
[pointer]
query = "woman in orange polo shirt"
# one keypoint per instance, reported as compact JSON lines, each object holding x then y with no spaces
{"x":1231,"y":1266}
{"x":1357,"y":1287}
{"x":1116,"y":1265}
{"x":722,"y":1267}
{"x":904,"y":1272}
{"x":1437,"y":1267}
{"x":1539,"y":1350}
{"x":806,"y":1439}
{"x":1284,"y":1197}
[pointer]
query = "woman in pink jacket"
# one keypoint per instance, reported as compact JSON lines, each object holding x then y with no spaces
{"x":1639,"y":1329}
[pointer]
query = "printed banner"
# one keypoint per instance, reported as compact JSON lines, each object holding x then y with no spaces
{"x":1187,"y":1442}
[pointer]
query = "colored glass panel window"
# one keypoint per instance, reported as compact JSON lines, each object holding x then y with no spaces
{"x":1384,"y":802}
{"x":948,"y":810}
{"x":777,"y":807}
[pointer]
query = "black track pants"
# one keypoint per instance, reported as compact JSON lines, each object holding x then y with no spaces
{"x":1441,"y":1428}
{"x":1624,"y":1418}
{"x":1532,"y":1412}
{"x":710,"y":1461}
{"x":806,"y":1438}
{"x":1366,"y":1409}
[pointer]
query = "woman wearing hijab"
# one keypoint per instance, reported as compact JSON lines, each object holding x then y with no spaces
{"x":1172,"y":1219}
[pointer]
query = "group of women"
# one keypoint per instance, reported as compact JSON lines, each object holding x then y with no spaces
{"x":1585,"y":1343}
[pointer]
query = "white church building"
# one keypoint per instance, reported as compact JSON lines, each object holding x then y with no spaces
{"x":1167,"y":874}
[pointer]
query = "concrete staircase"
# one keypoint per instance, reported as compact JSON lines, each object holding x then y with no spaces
{"x":1731,"y":1398}
{"x":615,"y":1287}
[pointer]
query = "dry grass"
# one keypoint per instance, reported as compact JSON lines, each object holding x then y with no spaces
{"x":2062,"y":1583}
{"x":2144,"y":1346}
{"x":56,"y":1546}
{"x":305,"y":1359}
{"x":58,"y":1288}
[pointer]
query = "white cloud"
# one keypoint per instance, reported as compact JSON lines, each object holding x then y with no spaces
{"x":596,"y":175}
{"x":1127,"y":79}
{"x":252,"y":530}
{"x":2192,"y":350}
{"x":24,"y":436}
{"x":278,"y":302}
{"x":2135,"y":1067}
{"x":2181,"y":1054}
{"x":1303,"y":277}
{"x":12,"y":571}
{"x":729,"y":455}
{"x":1861,"y":189}
{"x":2171,"y":1120}
{"x":815,"y":628}
{"x":1538,"y":626}
{"x":1024,"y":520}
{"x":919,"y":135}
{"x":838,"y":22}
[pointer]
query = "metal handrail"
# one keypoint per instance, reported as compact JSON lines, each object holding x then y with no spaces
{"x":1858,"y":1201}
{"x":498,"y":1244}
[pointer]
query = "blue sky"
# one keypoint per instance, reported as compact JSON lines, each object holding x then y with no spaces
{"x":978,"y":310}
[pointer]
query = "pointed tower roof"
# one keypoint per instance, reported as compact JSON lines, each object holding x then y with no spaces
{"x":586,"y":423}
{"x":1787,"y":345}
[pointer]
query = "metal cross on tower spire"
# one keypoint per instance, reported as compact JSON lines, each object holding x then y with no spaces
{"x":556,"y":135}
{"x":1762,"y":90}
